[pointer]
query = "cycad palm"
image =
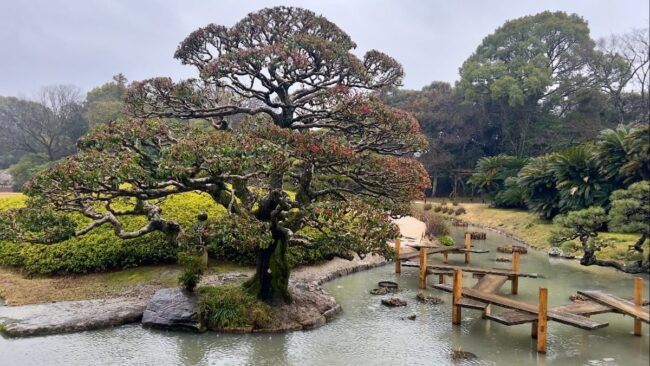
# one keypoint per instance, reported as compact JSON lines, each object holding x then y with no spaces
{"x":637,"y":166}
{"x":578,"y":179}
{"x":622,"y":154}
{"x":539,"y":184}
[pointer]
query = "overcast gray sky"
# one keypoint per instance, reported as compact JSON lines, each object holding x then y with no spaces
{"x":85,"y":42}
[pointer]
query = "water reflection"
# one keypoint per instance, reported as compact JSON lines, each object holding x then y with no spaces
{"x":369,"y":333}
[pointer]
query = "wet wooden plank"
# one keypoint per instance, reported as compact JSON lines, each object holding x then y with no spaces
{"x":453,"y":249}
{"x":513,"y":317}
{"x":495,"y":271}
{"x":490,"y":283}
{"x":620,"y":304}
{"x":560,"y":317}
{"x":583,"y":308}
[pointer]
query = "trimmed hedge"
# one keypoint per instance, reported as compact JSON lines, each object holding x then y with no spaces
{"x":101,"y":250}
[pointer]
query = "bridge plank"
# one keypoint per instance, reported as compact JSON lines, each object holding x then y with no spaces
{"x":558,"y":316}
{"x":620,"y":304}
{"x":500,"y":272}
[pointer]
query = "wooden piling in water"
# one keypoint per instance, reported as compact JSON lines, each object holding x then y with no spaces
{"x":423,"y":268}
{"x":541,"y":320}
{"x":514,"y":280}
{"x":533,"y":330}
{"x":457,"y":293}
{"x":398,"y":262}
{"x":638,"y":300}
{"x":468,"y":244}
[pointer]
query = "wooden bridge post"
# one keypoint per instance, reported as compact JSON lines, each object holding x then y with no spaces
{"x":445,"y":258}
{"x":441,"y":279}
{"x":468,"y":245}
{"x":398,"y":262}
{"x":423,"y":268}
{"x":515,"y":268}
{"x":533,"y":329}
{"x":638,"y":300}
{"x":541,"y":320}
{"x":457,"y":293}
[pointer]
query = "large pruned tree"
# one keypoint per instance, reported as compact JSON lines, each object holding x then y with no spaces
{"x":528,"y":69}
{"x":313,"y":129}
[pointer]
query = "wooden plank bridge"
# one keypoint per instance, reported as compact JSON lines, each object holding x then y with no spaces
{"x":483,"y":295}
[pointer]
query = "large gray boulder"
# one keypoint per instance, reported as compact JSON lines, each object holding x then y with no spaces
{"x":69,"y":316}
{"x":172,"y":309}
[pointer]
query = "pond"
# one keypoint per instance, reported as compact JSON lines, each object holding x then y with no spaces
{"x":367,"y":333}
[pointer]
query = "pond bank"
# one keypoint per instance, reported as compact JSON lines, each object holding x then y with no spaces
{"x":312,"y":308}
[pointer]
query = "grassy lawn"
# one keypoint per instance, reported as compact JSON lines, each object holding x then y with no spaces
{"x":536,"y":231}
{"x":16,"y":289}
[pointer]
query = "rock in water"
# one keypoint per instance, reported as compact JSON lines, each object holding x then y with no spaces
{"x":555,"y":252}
{"x":379,"y":291}
{"x":428,"y":299}
{"x":173,"y":309}
{"x":459,"y":355}
{"x":393,"y":301}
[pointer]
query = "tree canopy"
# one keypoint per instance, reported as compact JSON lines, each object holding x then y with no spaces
{"x":312,"y":128}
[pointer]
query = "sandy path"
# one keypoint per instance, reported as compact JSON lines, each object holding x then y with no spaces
{"x":412,"y":231}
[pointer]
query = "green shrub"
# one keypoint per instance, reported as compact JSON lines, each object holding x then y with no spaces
{"x":100,"y":250}
{"x":460,"y":211}
{"x":97,"y":251}
{"x":26,"y":168}
{"x":13,"y":201}
{"x":193,"y":269}
{"x":454,"y":203}
{"x":427,"y":206}
{"x":446,"y":240}
{"x":230,"y":306}
{"x":437,"y":208}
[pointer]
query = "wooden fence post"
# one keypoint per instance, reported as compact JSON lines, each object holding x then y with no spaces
{"x":638,"y":300}
{"x":515,"y":278}
{"x":423,"y":268}
{"x":398,"y":262}
{"x":445,"y":258}
{"x":441,"y":279}
{"x":541,"y":320}
{"x":457,"y":293}
{"x":468,"y":245}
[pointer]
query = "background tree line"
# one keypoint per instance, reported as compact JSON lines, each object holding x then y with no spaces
{"x":36,"y":132}
{"x":537,"y":84}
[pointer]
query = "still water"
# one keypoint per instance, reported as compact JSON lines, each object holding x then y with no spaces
{"x":367,"y":333}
